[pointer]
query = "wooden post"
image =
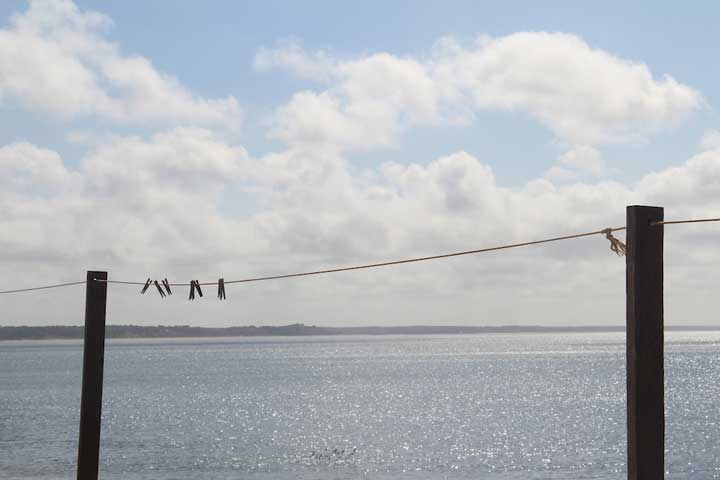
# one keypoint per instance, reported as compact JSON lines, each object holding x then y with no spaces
{"x":92,"y":379}
{"x":645,"y":376}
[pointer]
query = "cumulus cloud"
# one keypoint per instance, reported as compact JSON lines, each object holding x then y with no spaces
{"x":375,"y":98}
{"x":710,"y":139}
{"x":154,"y":205}
{"x":132,"y":199}
{"x":695,"y":184}
{"x":185,"y":203}
{"x":290,"y":55}
{"x":585,"y":96}
{"x":55,"y":58}
{"x":582,"y":94}
{"x":27,"y":168}
{"x":580,"y":161}
{"x":36,"y":191}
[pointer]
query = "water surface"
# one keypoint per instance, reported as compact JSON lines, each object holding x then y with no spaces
{"x":515,"y":406}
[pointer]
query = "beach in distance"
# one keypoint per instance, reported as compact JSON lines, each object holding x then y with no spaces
{"x":300,"y":329}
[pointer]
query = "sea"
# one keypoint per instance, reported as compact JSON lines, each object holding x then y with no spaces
{"x":486,"y":406}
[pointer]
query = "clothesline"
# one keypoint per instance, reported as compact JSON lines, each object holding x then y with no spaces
{"x":45,"y":287}
{"x":675,"y":222}
{"x":616,"y":246}
{"x":384,"y":264}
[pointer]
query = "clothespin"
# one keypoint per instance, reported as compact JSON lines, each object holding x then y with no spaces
{"x":192,"y":290}
{"x":147,"y":284}
{"x":221,"y":289}
{"x":157,"y":285}
{"x":166,"y":284}
{"x":197,"y":287}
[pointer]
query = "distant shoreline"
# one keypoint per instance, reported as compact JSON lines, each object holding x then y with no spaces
{"x":59,"y":332}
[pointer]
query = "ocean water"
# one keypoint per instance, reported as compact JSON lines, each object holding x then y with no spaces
{"x":516,"y":406}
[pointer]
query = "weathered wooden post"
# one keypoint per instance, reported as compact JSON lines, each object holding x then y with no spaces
{"x":645,"y":374}
{"x":92,"y":379}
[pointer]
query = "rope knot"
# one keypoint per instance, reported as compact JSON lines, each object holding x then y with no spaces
{"x":615,"y":244}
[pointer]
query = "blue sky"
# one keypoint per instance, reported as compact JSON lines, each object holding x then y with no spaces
{"x":196,"y":138}
{"x":210,"y":47}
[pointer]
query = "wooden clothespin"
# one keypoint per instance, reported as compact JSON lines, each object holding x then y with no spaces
{"x":197,"y":287}
{"x":159,"y":289}
{"x":147,"y":284}
{"x":166,"y":284}
{"x":192,"y":290}
{"x":221,"y":289}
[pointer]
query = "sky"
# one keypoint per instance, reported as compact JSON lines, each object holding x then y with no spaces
{"x":199,"y":140}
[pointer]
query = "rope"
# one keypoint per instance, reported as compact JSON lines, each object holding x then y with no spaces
{"x":675,"y":222}
{"x":42,"y":288}
{"x":615,"y":245}
{"x":386,"y":264}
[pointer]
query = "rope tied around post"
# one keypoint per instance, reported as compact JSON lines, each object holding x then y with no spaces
{"x":615,"y":244}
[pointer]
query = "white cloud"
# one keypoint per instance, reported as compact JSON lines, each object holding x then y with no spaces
{"x":318,"y":120}
{"x":153,"y":206}
{"x":185,"y":159}
{"x":55,"y":59}
{"x":695,"y":184}
{"x":290,"y":55}
{"x":132,"y":199}
{"x":36,"y":193}
{"x":376,"y":97}
{"x":580,"y":161}
{"x":164,"y":192}
{"x":710,"y":140}
{"x":184,"y":203}
{"x":561,"y":173}
{"x":27,"y":168}
{"x":583,"y":95}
